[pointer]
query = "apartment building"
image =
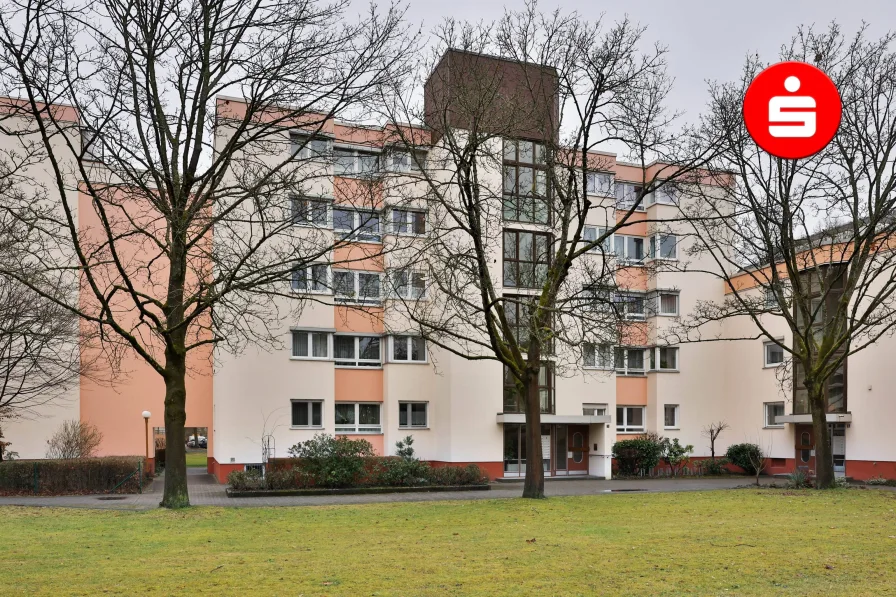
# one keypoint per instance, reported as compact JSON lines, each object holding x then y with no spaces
{"x":350,"y":364}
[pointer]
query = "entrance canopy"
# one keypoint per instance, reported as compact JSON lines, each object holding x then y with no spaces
{"x":831,"y":418}
{"x":555,"y":419}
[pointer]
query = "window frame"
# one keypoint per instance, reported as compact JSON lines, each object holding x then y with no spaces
{"x":677,"y":416}
{"x":356,"y":362}
{"x":656,"y":359}
{"x":619,"y":193}
{"x":624,"y":239}
{"x":550,"y":387}
{"x":357,"y":153}
{"x":517,"y":260}
{"x":594,"y":406}
{"x":409,"y":221}
{"x":659,"y":303}
{"x":512,"y":199}
{"x":623,"y":426}
{"x":310,"y":411}
{"x":657,"y":243}
{"x":607,"y":245}
{"x":412,"y":164}
{"x":305,"y":152}
{"x":590,"y":188}
{"x":309,"y":345}
{"x":357,"y":428}
{"x":622,"y":301}
{"x":355,"y":233}
{"x":309,"y":278}
{"x":295,"y":211}
{"x":409,"y":340}
{"x":626,"y":370}
{"x":765,"y":406}
{"x":394,"y":285}
{"x":596,"y":350}
{"x":408,"y":406}
{"x":765,"y":350}
{"x":356,"y":287}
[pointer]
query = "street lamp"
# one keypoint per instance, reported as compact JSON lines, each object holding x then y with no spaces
{"x":146,"y":415}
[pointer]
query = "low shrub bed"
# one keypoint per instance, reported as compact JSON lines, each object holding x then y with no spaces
{"x":75,"y":476}
{"x":328,"y":463}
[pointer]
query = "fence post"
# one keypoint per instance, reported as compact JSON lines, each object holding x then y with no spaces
{"x":140,"y":472}
{"x":36,"y":480}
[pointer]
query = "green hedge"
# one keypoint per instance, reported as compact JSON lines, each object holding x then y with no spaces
{"x":77,"y":476}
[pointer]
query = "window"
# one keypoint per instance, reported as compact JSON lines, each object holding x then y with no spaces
{"x":361,"y":225}
{"x":357,"y":351}
{"x":774,"y":354}
{"x":627,"y":194}
{"x":666,"y":194}
{"x":310,"y":345}
{"x":667,"y":303}
{"x":514,"y":403}
{"x":412,"y":415}
{"x":92,"y":145}
{"x":629,"y":361}
{"x":307,"y":413}
{"x":311,"y":278}
{"x":408,"y":221}
{"x":629,"y":419}
{"x":599,"y":183}
{"x":594,"y":410}
{"x":525,"y":183}
{"x":592,"y":233}
{"x":355,"y":163}
{"x":630,"y":305}
{"x":408,"y":284}
{"x":358,"y":417}
{"x":666,"y":244}
{"x":771,"y":297}
{"x":356,"y":287}
{"x":670,"y":416}
{"x":666,"y":358}
{"x":526,"y":259}
{"x":773,"y":410}
{"x":597,"y":356}
{"x":402,"y":161}
{"x":629,"y":248}
{"x":517,"y":312}
{"x":408,"y":349}
{"x":310,"y":212}
{"x":307,"y":147}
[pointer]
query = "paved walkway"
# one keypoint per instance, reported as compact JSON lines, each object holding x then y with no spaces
{"x":206,"y":491}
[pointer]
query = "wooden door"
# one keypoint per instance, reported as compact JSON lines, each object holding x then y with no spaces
{"x":805,"y":448}
{"x":578,"y":449}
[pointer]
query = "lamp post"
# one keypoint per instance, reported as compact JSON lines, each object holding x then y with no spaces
{"x":146,"y":415}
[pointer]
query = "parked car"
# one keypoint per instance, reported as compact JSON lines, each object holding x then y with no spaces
{"x":194,"y":442}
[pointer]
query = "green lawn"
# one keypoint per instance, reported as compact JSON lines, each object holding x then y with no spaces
{"x":736,"y":542}
{"x":197,"y":458}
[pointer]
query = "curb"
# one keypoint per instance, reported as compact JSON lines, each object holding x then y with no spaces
{"x":231,"y":493}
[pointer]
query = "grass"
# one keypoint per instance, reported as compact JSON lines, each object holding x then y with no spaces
{"x":197,"y":458}
{"x":735,"y":542}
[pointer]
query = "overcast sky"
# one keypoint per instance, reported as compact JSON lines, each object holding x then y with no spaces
{"x":707,"y":39}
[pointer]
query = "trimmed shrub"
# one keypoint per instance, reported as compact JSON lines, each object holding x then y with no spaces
{"x":333,"y":461}
{"x":881,"y":480}
{"x":712,"y":466}
{"x":638,"y":456}
{"x":246,"y":480}
{"x":744,"y":455}
{"x":74,"y":476}
{"x":457,"y":475}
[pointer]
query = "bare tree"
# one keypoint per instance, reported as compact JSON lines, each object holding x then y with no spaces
{"x":74,"y":439}
{"x":570,"y":85}
{"x":759,"y":460}
{"x":712,"y":432}
{"x":187,"y":238}
{"x":806,"y":243}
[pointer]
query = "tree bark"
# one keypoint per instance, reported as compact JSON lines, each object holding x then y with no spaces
{"x":533,"y":486}
{"x":824,"y":461}
{"x":175,"y":495}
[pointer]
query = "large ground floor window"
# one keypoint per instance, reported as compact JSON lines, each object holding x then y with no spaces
{"x":564,"y":449}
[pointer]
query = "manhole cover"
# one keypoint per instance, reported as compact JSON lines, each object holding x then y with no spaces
{"x":624,"y":490}
{"x":112,"y":497}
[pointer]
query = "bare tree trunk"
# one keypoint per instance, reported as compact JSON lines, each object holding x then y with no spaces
{"x":533,"y":486}
{"x":175,"y":495}
{"x":824,"y":462}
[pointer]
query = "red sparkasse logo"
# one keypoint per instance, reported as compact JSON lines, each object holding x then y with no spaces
{"x":792,"y":110}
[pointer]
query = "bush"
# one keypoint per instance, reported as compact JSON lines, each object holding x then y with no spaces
{"x":329,"y":461}
{"x":457,"y":475}
{"x":246,"y":480}
{"x":74,"y":439}
{"x":712,"y":466}
{"x":639,"y":455}
{"x":881,"y":480}
{"x":744,"y":456}
{"x":72,"y":476}
{"x":798,"y":479}
{"x":676,"y":455}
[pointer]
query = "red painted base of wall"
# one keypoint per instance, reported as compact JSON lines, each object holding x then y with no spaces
{"x":867,"y":469}
{"x":492,"y":469}
{"x":220,"y":471}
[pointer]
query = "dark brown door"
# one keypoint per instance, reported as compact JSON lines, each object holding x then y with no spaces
{"x":805,"y":448}
{"x":578,"y":449}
